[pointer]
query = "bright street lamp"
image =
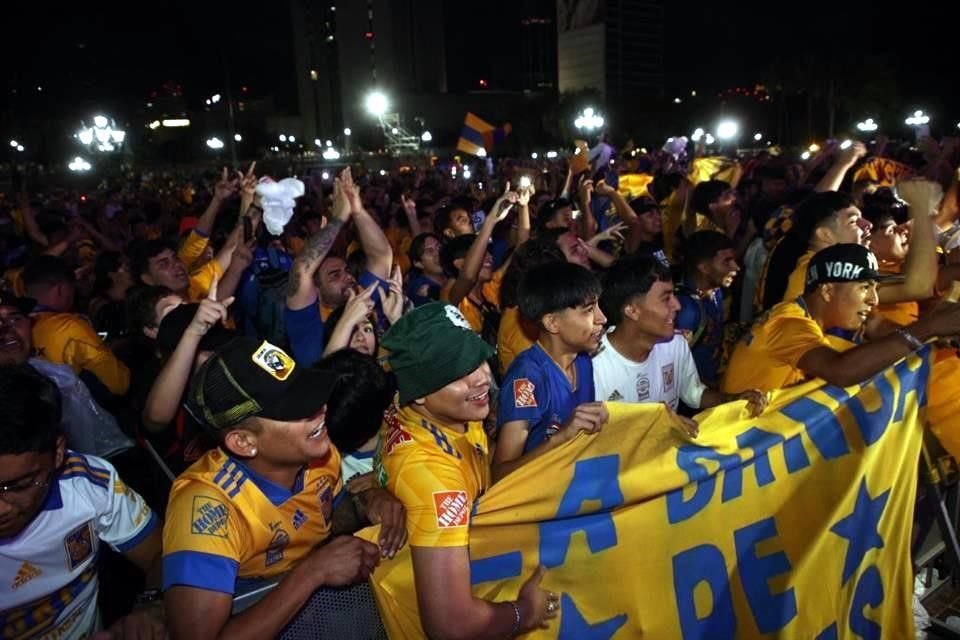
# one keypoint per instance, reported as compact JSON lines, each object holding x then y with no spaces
{"x":78,"y":165}
{"x":589,"y":120}
{"x":758,"y":136}
{"x":14,"y":144}
{"x":917,"y":119}
{"x":427,"y":136}
{"x":867,"y":125}
{"x":215,"y":143}
{"x":376,"y":103}
{"x":347,"y":131}
{"x":727,"y":130}
{"x":237,"y":137}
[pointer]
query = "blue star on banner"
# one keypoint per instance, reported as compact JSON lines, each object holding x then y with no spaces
{"x":574,"y":627}
{"x":860,"y":528}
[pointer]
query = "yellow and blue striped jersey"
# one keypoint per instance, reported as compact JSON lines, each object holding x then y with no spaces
{"x":225,"y":523}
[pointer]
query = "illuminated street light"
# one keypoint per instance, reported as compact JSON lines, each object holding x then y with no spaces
{"x":534,"y":155}
{"x":103,"y":136}
{"x":175,"y":122}
{"x":330,"y":154}
{"x":867,"y":125}
{"x":347,"y":132}
{"x":376,"y":103}
{"x":237,"y":137}
{"x":481,"y":153}
{"x":427,"y":136}
{"x":20,"y":148}
{"x":215,"y":143}
{"x":100,"y":122}
{"x":588,"y":120}
{"x":291,"y":139}
{"x":758,"y":136}
{"x":283,"y":137}
{"x":918,"y":118}
{"x":709,"y":139}
{"x":846,"y":144}
{"x":727,"y":130}
{"x":697,"y":134}
{"x":551,"y":155}
{"x":79,"y":165}
{"x":14,"y":144}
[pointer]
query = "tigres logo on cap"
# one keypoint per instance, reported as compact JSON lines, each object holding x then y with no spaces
{"x":274,"y":361}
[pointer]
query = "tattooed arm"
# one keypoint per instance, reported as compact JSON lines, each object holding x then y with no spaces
{"x":300,"y":289}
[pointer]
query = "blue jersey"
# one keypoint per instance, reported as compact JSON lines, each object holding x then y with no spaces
{"x":703,"y":315}
{"x":537,"y":391}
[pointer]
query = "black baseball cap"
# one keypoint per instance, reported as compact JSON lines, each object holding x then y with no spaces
{"x":248,"y":377}
{"x":175,"y":323}
{"x":845,"y":262}
{"x":23,"y":305}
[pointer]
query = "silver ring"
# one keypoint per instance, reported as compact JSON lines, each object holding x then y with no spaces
{"x":551,"y":606}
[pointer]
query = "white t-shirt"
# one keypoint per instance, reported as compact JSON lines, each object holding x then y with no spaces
{"x":49,"y":570}
{"x":667,"y":375}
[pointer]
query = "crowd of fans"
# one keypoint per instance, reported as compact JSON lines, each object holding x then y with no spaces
{"x":215,"y":402}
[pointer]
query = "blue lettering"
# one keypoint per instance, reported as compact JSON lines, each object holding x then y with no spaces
{"x":761,"y":441}
{"x":679,"y":509}
{"x":873,"y":424}
{"x":869,"y":592}
{"x":593,"y":479}
{"x":912,"y":380}
{"x":499,"y":567}
{"x":821,"y":424}
{"x":771,"y":611}
{"x":830,"y":633}
{"x":703,"y":563}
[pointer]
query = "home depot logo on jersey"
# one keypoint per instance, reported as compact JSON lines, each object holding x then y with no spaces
{"x":451,"y":508}
{"x":523,"y":396}
{"x":26,"y":573}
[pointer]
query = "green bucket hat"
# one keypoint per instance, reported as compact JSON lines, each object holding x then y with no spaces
{"x":430,"y":347}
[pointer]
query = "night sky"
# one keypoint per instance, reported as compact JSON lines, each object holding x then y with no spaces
{"x":86,"y":54}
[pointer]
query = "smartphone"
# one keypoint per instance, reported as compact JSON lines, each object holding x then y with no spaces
{"x":525,"y":182}
{"x":247,"y":229}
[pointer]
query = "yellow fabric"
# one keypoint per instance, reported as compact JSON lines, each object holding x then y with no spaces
{"x":633,"y":185}
{"x":14,"y":278}
{"x":247,"y":522}
{"x":202,"y":279}
{"x":766,"y":358}
{"x":516,"y":335}
{"x":70,"y":339}
{"x":792,"y":525}
{"x":798,"y":278}
{"x":325,"y":312}
{"x":712,"y":168}
{"x":671,"y":211}
{"x":400,"y":240}
{"x":883,"y":171}
{"x":901,"y":313}
{"x":491,"y":290}
{"x":192,"y":248}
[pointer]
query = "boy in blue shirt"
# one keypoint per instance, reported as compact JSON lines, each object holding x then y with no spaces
{"x":547,"y":396}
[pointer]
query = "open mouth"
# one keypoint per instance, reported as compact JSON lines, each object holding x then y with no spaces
{"x":863,"y":315}
{"x":480,"y":397}
{"x":10,"y":342}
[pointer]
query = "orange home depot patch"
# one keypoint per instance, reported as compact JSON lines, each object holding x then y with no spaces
{"x":523,"y":396}
{"x":451,"y":508}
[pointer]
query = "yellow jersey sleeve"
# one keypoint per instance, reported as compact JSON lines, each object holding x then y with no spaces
{"x":788,"y":339}
{"x":84,"y":350}
{"x":192,"y":248}
{"x":202,"y":544}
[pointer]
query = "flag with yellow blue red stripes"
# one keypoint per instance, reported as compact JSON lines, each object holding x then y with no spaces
{"x":795,"y":524}
{"x":478,"y":137}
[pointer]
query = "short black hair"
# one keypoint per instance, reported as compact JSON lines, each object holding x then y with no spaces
{"x":454,"y":249}
{"x":818,"y":210}
{"x":628,"y":277}
{"x":706,"y":193}
{"x":443,"y":216}
{"x":142,"y":252}
{"x":364,"y":391}
{"x":883,"y":205}
{"x":702,"y":246}
{"x":141,"y":306}
{"x":47,"y":271}
{"x":529,"y":255}
{"x":554,"y":287}
{"x":31,"y":411}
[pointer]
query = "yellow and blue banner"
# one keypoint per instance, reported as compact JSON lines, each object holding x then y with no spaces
{"x":794,"y":524}
{"x":478,"y":134}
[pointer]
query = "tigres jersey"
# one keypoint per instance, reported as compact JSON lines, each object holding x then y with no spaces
{"x":798,"y":278}
{"x":767,"y":356}
{"x":70,"y":339}
{"x":226,"y":523}
{"x":436,"y":472}
{"x":48,"y":573}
